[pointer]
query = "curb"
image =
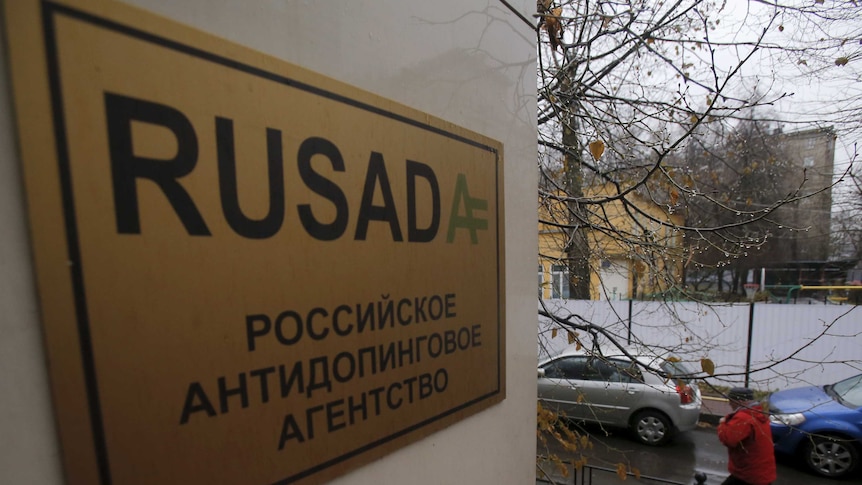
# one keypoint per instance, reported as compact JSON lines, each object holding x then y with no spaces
{"x":708,"y":413}
{"x":710,"y":419}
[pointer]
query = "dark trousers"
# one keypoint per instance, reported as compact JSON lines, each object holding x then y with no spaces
{"x":732,"y":480}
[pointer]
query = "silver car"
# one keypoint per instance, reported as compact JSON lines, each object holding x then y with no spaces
{"x":646,"y":395}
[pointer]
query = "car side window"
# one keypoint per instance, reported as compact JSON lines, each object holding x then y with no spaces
{"x":627,"y":371}
{"x":631,"y":373}
{"x":599,"y":370}
{"x":612,"y":370}
{"x":566,"y":368}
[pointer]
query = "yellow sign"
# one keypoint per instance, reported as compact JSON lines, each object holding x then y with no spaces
{"x":248,"y":273}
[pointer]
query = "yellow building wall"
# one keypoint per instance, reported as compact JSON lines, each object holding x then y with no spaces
{"x":643,"y":240}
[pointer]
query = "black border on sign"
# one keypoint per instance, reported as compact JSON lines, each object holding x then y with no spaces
{"x":49,"y":12}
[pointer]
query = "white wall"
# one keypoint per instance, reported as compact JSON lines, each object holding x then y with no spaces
{"x":470,"y":62}
{"x":28,"y":451}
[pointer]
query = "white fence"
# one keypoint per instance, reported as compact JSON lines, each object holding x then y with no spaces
{"x":790,"y":345}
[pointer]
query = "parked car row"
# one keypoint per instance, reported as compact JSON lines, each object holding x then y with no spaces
{"x":655,"y":397}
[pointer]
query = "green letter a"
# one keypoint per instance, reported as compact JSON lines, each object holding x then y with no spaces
{"x":466,"y":221}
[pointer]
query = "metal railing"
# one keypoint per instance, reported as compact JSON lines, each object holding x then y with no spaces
{"x":585,"y":474}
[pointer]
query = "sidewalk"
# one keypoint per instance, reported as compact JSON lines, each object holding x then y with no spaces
{"x":713,"y":409}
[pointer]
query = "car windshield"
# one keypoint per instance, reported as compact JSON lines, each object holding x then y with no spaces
{"x":677,"y":370}
{"x":848,"y":391}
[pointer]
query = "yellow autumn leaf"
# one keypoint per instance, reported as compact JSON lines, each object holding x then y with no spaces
{"x":553,"y":333}
{"x":842,"y":61}
{"x":708,"y":366}
{"x":597,"y":148}
{"x":553,"y":26}
{"x":621,"y":471}
{"x":572,"y":338}
{"x":606,"y":20}
{"x":693,"y":118}
{"x":673,"y":359}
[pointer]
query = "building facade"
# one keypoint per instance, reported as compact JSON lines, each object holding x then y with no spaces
{"x":810,"y":156}
{"x":634,"y":250}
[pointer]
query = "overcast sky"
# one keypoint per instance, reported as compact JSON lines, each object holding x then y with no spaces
{"x":817,"y":88}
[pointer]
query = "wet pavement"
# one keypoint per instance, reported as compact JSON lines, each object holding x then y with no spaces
{"x":695,"y":451}
{"x":677,"y":462}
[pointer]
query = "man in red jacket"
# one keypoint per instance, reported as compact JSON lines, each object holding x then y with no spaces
{"x":745,"y":432}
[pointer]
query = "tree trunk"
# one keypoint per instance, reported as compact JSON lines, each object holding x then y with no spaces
{"x":577,"y":250}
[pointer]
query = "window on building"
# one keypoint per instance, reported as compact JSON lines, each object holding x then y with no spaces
{"x":808,"y":162}
{"x":559,"y":282}
{"x":541,"y":282}
{"x":809,"y":143}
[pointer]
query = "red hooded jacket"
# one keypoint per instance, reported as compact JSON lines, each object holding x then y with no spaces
{"x":746,"y":434}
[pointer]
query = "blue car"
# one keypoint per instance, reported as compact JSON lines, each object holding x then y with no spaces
{"x":820,"y":424}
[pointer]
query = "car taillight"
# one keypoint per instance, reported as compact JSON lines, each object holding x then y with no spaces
{"x":686,"y":394}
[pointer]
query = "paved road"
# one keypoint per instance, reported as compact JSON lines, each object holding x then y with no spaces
{"x":696,"y":450}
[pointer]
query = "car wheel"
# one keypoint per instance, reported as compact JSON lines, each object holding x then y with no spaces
{"x":831,"y":457}
{"x":651,"y":428}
